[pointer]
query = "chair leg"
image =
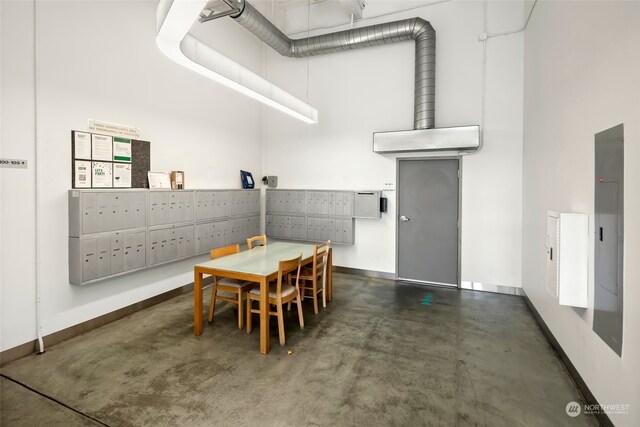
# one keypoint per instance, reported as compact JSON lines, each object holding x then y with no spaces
{"x":324,"y":291}
{"x":212,"y":305}
{"x":280,"y":323}
{"x":248,"y":314}
{"x":315,"y":296}
{"x":240,"y":317}
{"x":300,"y":316}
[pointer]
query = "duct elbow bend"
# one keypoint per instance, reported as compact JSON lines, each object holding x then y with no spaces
{"x":422,"y":27}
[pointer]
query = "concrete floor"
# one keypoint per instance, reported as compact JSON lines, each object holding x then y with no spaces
{"x":375,"y":356}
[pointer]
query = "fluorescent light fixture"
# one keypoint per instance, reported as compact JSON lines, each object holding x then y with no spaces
{"x":176,"y":17}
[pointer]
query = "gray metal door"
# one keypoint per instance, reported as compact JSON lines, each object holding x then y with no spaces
{"x":428,"y":221}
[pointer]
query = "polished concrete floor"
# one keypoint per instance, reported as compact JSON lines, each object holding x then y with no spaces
{"x":381,"y":354}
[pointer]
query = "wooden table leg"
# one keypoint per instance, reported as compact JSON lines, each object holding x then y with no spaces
{"x":197,"y":303}
{"x":330,"y":275}
{"x":264,"y":316}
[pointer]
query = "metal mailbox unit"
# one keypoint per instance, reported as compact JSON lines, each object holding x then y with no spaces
{"x":107,"y":233}
{"x":225,"y":217}
{"x":116,"y":232}
{"x":311,"y":215}
{"x":367,"y":204}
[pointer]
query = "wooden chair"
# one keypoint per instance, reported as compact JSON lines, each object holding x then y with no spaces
{"x":262,"y":239}
{"x":280,"y":293}
{"x":318,"y":270}
{"x":233,"y":286}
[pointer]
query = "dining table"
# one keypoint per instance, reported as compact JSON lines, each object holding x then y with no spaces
{"x":259,"y":265}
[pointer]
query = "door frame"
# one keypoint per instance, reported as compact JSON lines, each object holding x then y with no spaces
{"x":397,"y":213}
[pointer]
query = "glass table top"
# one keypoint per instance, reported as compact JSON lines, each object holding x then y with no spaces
{"x":261,"y":260}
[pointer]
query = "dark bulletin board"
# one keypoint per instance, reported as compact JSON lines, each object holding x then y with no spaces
{"x":140,"y":162}
{"x":141,"y":156}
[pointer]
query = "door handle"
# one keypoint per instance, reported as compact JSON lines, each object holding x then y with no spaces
{"x":404,"y":218}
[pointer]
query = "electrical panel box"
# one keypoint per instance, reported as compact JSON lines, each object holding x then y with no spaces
{"x":609,"y":237}
{"x":271,"y":181}
{"x":114,"y":232}
{"x":367,"y":204}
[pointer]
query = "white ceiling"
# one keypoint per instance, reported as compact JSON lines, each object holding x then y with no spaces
{"x":297,"y":16}
{"x":286,"y":4}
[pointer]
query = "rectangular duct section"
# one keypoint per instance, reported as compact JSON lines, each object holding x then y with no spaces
{"x":444,"y":139}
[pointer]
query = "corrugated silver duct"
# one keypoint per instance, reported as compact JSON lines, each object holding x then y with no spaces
{"x":374,"y":35}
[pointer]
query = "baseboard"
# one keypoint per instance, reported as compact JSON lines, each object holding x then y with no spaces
{"x":496,"y":289}
{"x":588,"y":397}
{"x":30,"y":347}
{"x":363,"y":272}
{"x":471,"y":286}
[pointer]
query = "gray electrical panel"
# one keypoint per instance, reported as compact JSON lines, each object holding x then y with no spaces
{"x":114,"y":232}
{"x":311,"y":215}
{"x":609,"y":236}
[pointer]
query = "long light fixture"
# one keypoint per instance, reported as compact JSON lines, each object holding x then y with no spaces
{"x":175,"y":18}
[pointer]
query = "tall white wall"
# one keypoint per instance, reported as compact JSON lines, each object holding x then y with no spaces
{"x":363,"y":91}
{"x":17,"y":216}
{"x":99,"y":60}
{"x":581,"y":77}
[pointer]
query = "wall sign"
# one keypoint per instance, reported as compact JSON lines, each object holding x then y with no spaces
{"x":101,"y":147}
{"x":13,"y":163}
{"x":113,"y":129}
{"x":82,"y":169}
{"x":102,"y":174}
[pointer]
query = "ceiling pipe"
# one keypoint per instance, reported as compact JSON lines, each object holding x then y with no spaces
{"x":374,"y":35}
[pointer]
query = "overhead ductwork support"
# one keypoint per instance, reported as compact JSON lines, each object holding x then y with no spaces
{"x":375,"y":35}
{"x":424,"y":137}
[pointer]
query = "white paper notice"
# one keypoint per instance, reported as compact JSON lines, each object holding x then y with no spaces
{"x":102,"y":174}
{"x":101,"y":147}
{"x":122,"y":175}
{"x":121,"y":150}
{"x":159,"y":179}
{"x":82,"y":142}
{"x":82,"y":174}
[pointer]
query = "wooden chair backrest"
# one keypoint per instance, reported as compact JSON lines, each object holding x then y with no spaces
{"x":321,"y":258}
{"x":252,"y":240}
{"x":224,"y":251}
{"x":286,"y":266}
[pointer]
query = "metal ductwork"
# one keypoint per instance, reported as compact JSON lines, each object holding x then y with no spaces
{"x":423,"y":137}
{"x":375,"y":35}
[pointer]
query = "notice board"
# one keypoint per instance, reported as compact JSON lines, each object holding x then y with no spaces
{"x":105,"y":161}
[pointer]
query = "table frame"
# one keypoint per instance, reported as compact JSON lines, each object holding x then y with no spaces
{"x":199,"y":273}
